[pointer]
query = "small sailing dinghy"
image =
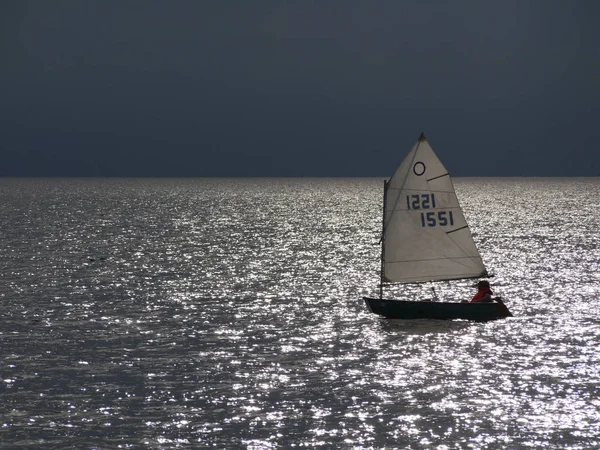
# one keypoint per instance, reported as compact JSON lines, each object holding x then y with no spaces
{"x":425,"y":238}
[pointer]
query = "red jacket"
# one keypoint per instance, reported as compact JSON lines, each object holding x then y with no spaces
{"x":481,"y":296}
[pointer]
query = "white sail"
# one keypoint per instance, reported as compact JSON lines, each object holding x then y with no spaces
{"x":426,"y":236}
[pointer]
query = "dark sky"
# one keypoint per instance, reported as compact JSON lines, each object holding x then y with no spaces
{"x":298,"y":88}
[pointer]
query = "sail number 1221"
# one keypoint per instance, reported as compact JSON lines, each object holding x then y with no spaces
{"x":430,"y":218}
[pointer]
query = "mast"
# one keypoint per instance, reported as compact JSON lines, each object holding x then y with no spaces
{"x":385,"y":183}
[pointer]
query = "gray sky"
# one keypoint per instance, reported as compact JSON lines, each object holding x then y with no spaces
{"x":298,"y":88}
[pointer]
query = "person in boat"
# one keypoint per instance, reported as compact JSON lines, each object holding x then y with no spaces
{"x":484,"y":293}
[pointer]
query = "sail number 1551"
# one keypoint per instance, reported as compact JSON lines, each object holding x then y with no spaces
{"x":437,"y":218}
{"x":430,"y":218}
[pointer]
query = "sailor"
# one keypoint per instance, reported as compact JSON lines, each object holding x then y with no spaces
{"x":484,"y":293}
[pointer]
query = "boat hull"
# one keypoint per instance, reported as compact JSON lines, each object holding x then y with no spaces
{"x":402,"y":309}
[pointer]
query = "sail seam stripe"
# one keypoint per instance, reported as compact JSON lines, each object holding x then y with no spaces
{"x":430,"y":209}
{"x":440,"y":176}
{"x":458,"y":229}
{"x":418,"y":190}
{"x":415,"y":280}
{"x":430,"y":259}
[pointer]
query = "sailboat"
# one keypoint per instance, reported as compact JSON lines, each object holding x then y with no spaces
{"x":425,"y":238}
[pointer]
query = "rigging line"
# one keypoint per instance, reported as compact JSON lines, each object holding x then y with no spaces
{"x":403,"y":182}
{"x":412,"y":280}
{"x":382,"y":269}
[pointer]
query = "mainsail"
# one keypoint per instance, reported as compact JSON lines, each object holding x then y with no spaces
{"x":425,"y":234}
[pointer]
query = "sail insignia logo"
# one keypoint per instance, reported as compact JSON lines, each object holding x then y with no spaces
{"x":419,"y":168}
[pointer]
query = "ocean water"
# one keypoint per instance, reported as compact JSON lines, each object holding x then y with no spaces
{"x":227,"y":313}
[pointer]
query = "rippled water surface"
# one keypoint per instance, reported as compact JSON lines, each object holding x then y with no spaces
{"x":226,"y":313}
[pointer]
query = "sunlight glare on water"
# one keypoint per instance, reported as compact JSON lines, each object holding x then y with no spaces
{"x":227,"y":313}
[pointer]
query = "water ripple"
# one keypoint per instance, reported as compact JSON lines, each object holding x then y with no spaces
{"x":196,"y":313}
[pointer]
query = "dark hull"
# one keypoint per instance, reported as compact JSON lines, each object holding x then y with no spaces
{"x":401,"y":309}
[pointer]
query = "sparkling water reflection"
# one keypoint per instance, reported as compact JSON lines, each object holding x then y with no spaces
{"x":193,"y":313}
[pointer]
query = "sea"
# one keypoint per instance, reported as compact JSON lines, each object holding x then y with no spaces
{"x":228,"y":313}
